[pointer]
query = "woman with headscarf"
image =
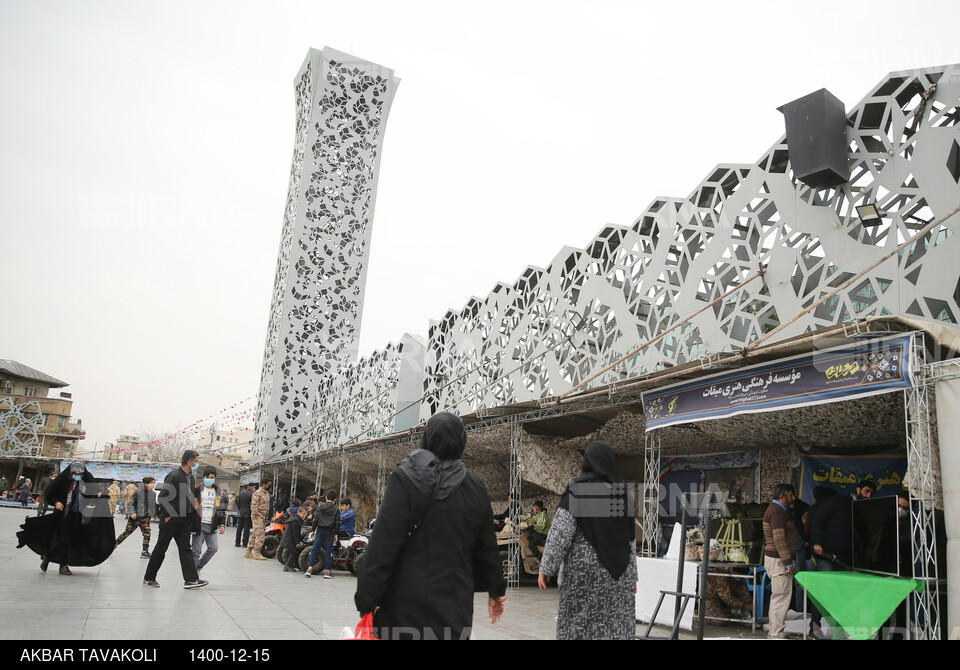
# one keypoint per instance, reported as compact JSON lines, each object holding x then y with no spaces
{"x":591,"y":546}
{"x":80,"y":530}
{"x":434,"y":544}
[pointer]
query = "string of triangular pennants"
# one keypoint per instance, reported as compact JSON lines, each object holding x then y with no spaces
{"x":243,"y":410}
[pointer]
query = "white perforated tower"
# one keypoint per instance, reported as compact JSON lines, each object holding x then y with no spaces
{"x":342,"y":106}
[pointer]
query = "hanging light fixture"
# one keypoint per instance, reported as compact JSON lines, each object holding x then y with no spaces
{"x":869,"y":215}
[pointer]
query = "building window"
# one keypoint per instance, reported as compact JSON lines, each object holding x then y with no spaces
{"x":31,"y":391}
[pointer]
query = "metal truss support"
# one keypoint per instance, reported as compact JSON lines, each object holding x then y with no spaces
{"x":650,"y":495}
{"x":344,"y":469}
{"x":293,"y":480}
{"x":925,"y":605}
{"x":381,"y":477}
{"x":516,"y":478}
{"x":495,"y":419}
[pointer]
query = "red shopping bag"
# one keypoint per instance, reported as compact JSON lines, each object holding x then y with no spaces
{"x":364,"y":630}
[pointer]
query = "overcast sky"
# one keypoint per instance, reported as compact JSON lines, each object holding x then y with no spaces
{"x":146,"y":151}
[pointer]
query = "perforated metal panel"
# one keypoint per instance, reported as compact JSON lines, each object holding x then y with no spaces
{"x":342,"y":106}
{"x":632,"y":283}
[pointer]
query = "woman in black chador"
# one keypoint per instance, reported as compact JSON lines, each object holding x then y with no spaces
{"x":80,"y":529}
{"x":434,"y":544}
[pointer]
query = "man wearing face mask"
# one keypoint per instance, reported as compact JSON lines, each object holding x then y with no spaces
{"x":76,"y":533}
{"x":177,"y":509}
{"x":780,"y":547}
{"x":213,"y":517}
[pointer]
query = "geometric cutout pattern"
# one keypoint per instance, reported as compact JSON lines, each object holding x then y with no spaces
{"x":630,"y":284}
{"x":358,"y":400}
{"x":342,"y":105}
{"x":18,"y":428}
{"x":953,"y":161}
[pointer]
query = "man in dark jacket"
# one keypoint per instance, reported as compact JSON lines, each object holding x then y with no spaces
{"x":243,"y":516}
{"x":326,"y":521}
{"x":832,"y":527}
{"x":142,"y":506}
{"x":290,"y":542}
{"x":831,"y":535}
{"x":177,"y":511}
{"x":434,"y":544}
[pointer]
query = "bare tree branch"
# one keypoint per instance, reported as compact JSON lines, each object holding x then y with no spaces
{"x":164,"y":446}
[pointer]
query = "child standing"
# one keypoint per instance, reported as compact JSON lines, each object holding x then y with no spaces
{"x":291,"y":538}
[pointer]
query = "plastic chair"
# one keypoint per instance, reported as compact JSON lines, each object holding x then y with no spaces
{"x":762,"y":597}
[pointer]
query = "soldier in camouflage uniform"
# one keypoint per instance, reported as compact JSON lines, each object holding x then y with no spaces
{"x":259,"y":507}
{"x":42,"y":490}
{"x":114,"y":492}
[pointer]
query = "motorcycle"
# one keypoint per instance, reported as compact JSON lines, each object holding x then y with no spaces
{"x":272,"y":536}
{"x":347,"y":550}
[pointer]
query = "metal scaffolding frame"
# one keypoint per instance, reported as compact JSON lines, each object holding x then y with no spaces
{"x":293,"y":480}
{"x":516,"y":480}
{"x":920,"y":444}
{"x":917,"y":403}
{"x":651,"y":494}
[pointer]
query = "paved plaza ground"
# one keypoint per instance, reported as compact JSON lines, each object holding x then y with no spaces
{"x":245,"y":600}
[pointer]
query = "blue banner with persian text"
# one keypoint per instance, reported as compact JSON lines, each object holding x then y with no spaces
{"x":824,"y":376}
{"x":843,"y":473}
{"x":125,"y":472}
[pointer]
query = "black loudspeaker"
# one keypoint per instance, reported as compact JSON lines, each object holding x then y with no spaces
{"x":817,"y":139}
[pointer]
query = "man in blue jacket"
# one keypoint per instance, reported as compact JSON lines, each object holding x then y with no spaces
{"x":348,"y":518}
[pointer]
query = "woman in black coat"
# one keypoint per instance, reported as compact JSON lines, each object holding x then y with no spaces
{"x":434,"y":544}
{"x":80,"y":529}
